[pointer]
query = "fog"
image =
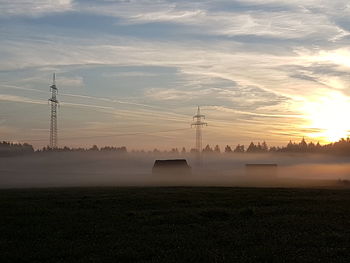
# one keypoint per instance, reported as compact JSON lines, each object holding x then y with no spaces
{"x":68,"y":169}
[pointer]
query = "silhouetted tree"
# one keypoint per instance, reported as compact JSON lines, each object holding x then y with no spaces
{"x":318,"y":146}
{"x":94,"y":148}
{"x":228,"y":149}
{"x":122,"y":149}
{"x":303,"y":145}
{"x":207,"y":149}
{"x":291,"y":147}
{"x":264,"y":147}
{"x":252,"y":148}
{"x":239,"y":149}
{"x":217,"y":149}
{"x":311,"y":147}
{"x":273,"y":149}
{"x":12,"y":149}
{"x":155,"y":150}
{"x":175,"y":151}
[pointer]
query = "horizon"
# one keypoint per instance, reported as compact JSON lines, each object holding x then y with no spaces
{"x":207,"y":148}
{"x":131,"y":73}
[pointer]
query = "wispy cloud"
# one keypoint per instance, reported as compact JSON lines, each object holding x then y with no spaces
{"x":224,"y":109}
{"x":13,"y":98}
{"x":129,"y":74}
{"x":33,"y":7}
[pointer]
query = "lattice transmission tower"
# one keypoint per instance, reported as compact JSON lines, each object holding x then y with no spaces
{"x":198,"y":123}
{"x":54,"y":103}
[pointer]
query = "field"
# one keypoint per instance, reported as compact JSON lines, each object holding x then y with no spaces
{"x":174,"y":225}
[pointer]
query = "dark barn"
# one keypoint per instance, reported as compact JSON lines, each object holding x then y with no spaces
{"x":174,"y":166}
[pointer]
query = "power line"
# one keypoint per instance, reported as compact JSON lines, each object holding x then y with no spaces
{"x":110,"y":135}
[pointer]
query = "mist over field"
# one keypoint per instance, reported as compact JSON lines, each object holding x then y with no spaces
{"x":135,"y":169}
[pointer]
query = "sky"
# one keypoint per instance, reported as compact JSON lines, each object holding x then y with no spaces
{"x":132,"y":72}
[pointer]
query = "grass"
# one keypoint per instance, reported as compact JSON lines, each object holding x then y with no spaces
{"x":174,"y":225}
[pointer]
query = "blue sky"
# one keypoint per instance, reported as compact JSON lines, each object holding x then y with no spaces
{"x":257,"y":68}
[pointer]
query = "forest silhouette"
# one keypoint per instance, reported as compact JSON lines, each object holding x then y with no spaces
{"x":341,"y":147}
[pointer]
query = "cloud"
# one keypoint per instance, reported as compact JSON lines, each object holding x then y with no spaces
{"x":170,"y":94}
{"x":75,"y":82}
{"x":21,"y":88}
{"x":212,"y":18}
{"x":224,"y":109}
{"x":13,"y":98}
{"x":130,"y":74}
{"x":167,"y":15}
{"x":340,"y":57}
{"x":40,"y":78}
{"x":33,"y":7}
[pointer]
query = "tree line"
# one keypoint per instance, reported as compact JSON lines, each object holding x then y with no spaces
{"x":340,"y":147}
{"x":12,"y":149}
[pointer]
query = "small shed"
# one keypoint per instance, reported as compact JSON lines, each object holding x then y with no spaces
{"x":172,"y":166}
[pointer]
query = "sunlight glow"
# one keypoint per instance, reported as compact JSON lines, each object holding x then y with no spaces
{"x":327,"y":115}
{"x":339,"y":57}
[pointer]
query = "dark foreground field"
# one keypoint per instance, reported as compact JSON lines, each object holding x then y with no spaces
{"x":174,"y":225}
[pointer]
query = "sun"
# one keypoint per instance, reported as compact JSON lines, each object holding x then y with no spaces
{"x":328,"y":117}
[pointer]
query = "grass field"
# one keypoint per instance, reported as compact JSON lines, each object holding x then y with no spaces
{"x":174,"y":225}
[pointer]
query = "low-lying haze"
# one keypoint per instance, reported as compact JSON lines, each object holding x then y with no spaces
{"x":109,"y":169}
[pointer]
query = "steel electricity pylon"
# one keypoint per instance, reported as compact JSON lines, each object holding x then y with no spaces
{"x":198,"y":123}
{"x":54,"y":103}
